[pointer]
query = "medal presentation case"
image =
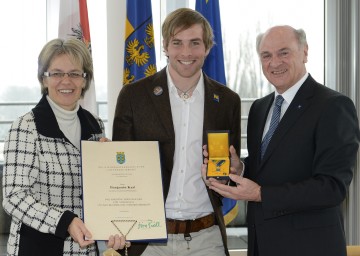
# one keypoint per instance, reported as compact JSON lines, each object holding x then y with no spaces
{"x":219,"y":160}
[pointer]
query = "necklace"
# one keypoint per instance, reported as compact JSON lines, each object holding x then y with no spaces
{"x":114,"y":223}
{"x":185,"y":94}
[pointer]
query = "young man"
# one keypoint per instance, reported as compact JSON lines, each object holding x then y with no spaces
{"x":176,"y":107}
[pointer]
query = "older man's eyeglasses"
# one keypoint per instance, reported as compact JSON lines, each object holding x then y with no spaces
{"x":61,"y":75}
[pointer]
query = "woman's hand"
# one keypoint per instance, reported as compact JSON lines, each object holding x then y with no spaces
{"x":117,"y":242}
{"x":79,"y":232}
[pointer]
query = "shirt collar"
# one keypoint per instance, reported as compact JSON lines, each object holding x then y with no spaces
{"x":199,"y":88}
{"x":290,"y":93}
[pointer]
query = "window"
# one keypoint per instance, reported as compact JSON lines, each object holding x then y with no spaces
{"x":23,"y":28}
{"x":29,"y":24}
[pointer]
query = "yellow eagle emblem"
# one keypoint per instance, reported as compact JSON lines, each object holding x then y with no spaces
{"x":127,"y":79}
{"x":134,"y":49}
{"x":149,"y":40}
{"x":151,"y":69}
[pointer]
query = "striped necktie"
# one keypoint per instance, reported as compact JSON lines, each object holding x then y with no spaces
{"x":275,"y":119}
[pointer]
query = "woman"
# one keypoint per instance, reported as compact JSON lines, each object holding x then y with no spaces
{"x":42,"y":178}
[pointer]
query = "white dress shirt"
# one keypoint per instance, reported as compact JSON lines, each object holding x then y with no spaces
{"x":187,"y":198}
{"x":288,"y":96}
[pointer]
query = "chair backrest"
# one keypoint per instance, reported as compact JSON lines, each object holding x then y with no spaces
{"x":353,"y":250}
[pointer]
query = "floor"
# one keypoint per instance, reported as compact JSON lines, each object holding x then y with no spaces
{"x":237,"y":238}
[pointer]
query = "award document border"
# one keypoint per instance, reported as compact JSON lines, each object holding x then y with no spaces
{"x":122,"y":190}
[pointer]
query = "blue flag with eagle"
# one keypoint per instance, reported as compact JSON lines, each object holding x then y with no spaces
{"x":214,"y":68}
{"x":139,"y":57}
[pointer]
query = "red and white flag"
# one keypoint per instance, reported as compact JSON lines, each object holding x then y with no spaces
{"x":74,"y":22}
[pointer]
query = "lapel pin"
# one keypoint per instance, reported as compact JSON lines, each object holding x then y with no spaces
{"x":158,"y":90}
{"x":216,"y":97}
{"x":299,"y":106}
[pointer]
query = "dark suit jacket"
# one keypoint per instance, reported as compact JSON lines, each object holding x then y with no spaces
{"x":304,"y":175}
{"x":142,"y":116}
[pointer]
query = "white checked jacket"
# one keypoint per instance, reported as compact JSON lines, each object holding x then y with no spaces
{"x":42,"y":182}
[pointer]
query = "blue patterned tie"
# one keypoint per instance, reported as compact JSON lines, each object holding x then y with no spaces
{"x":275,"y":119}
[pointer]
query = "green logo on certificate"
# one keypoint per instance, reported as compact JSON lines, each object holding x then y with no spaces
{"x":120,"y":157}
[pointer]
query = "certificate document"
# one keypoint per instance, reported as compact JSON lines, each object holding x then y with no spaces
{"x":122,"y":190}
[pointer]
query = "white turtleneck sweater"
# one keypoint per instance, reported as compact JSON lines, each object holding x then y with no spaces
{"x":68,"y":122}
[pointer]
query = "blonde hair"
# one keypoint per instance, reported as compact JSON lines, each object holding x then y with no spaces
{"x":74,"y":48}
{"x":184,"y":18}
